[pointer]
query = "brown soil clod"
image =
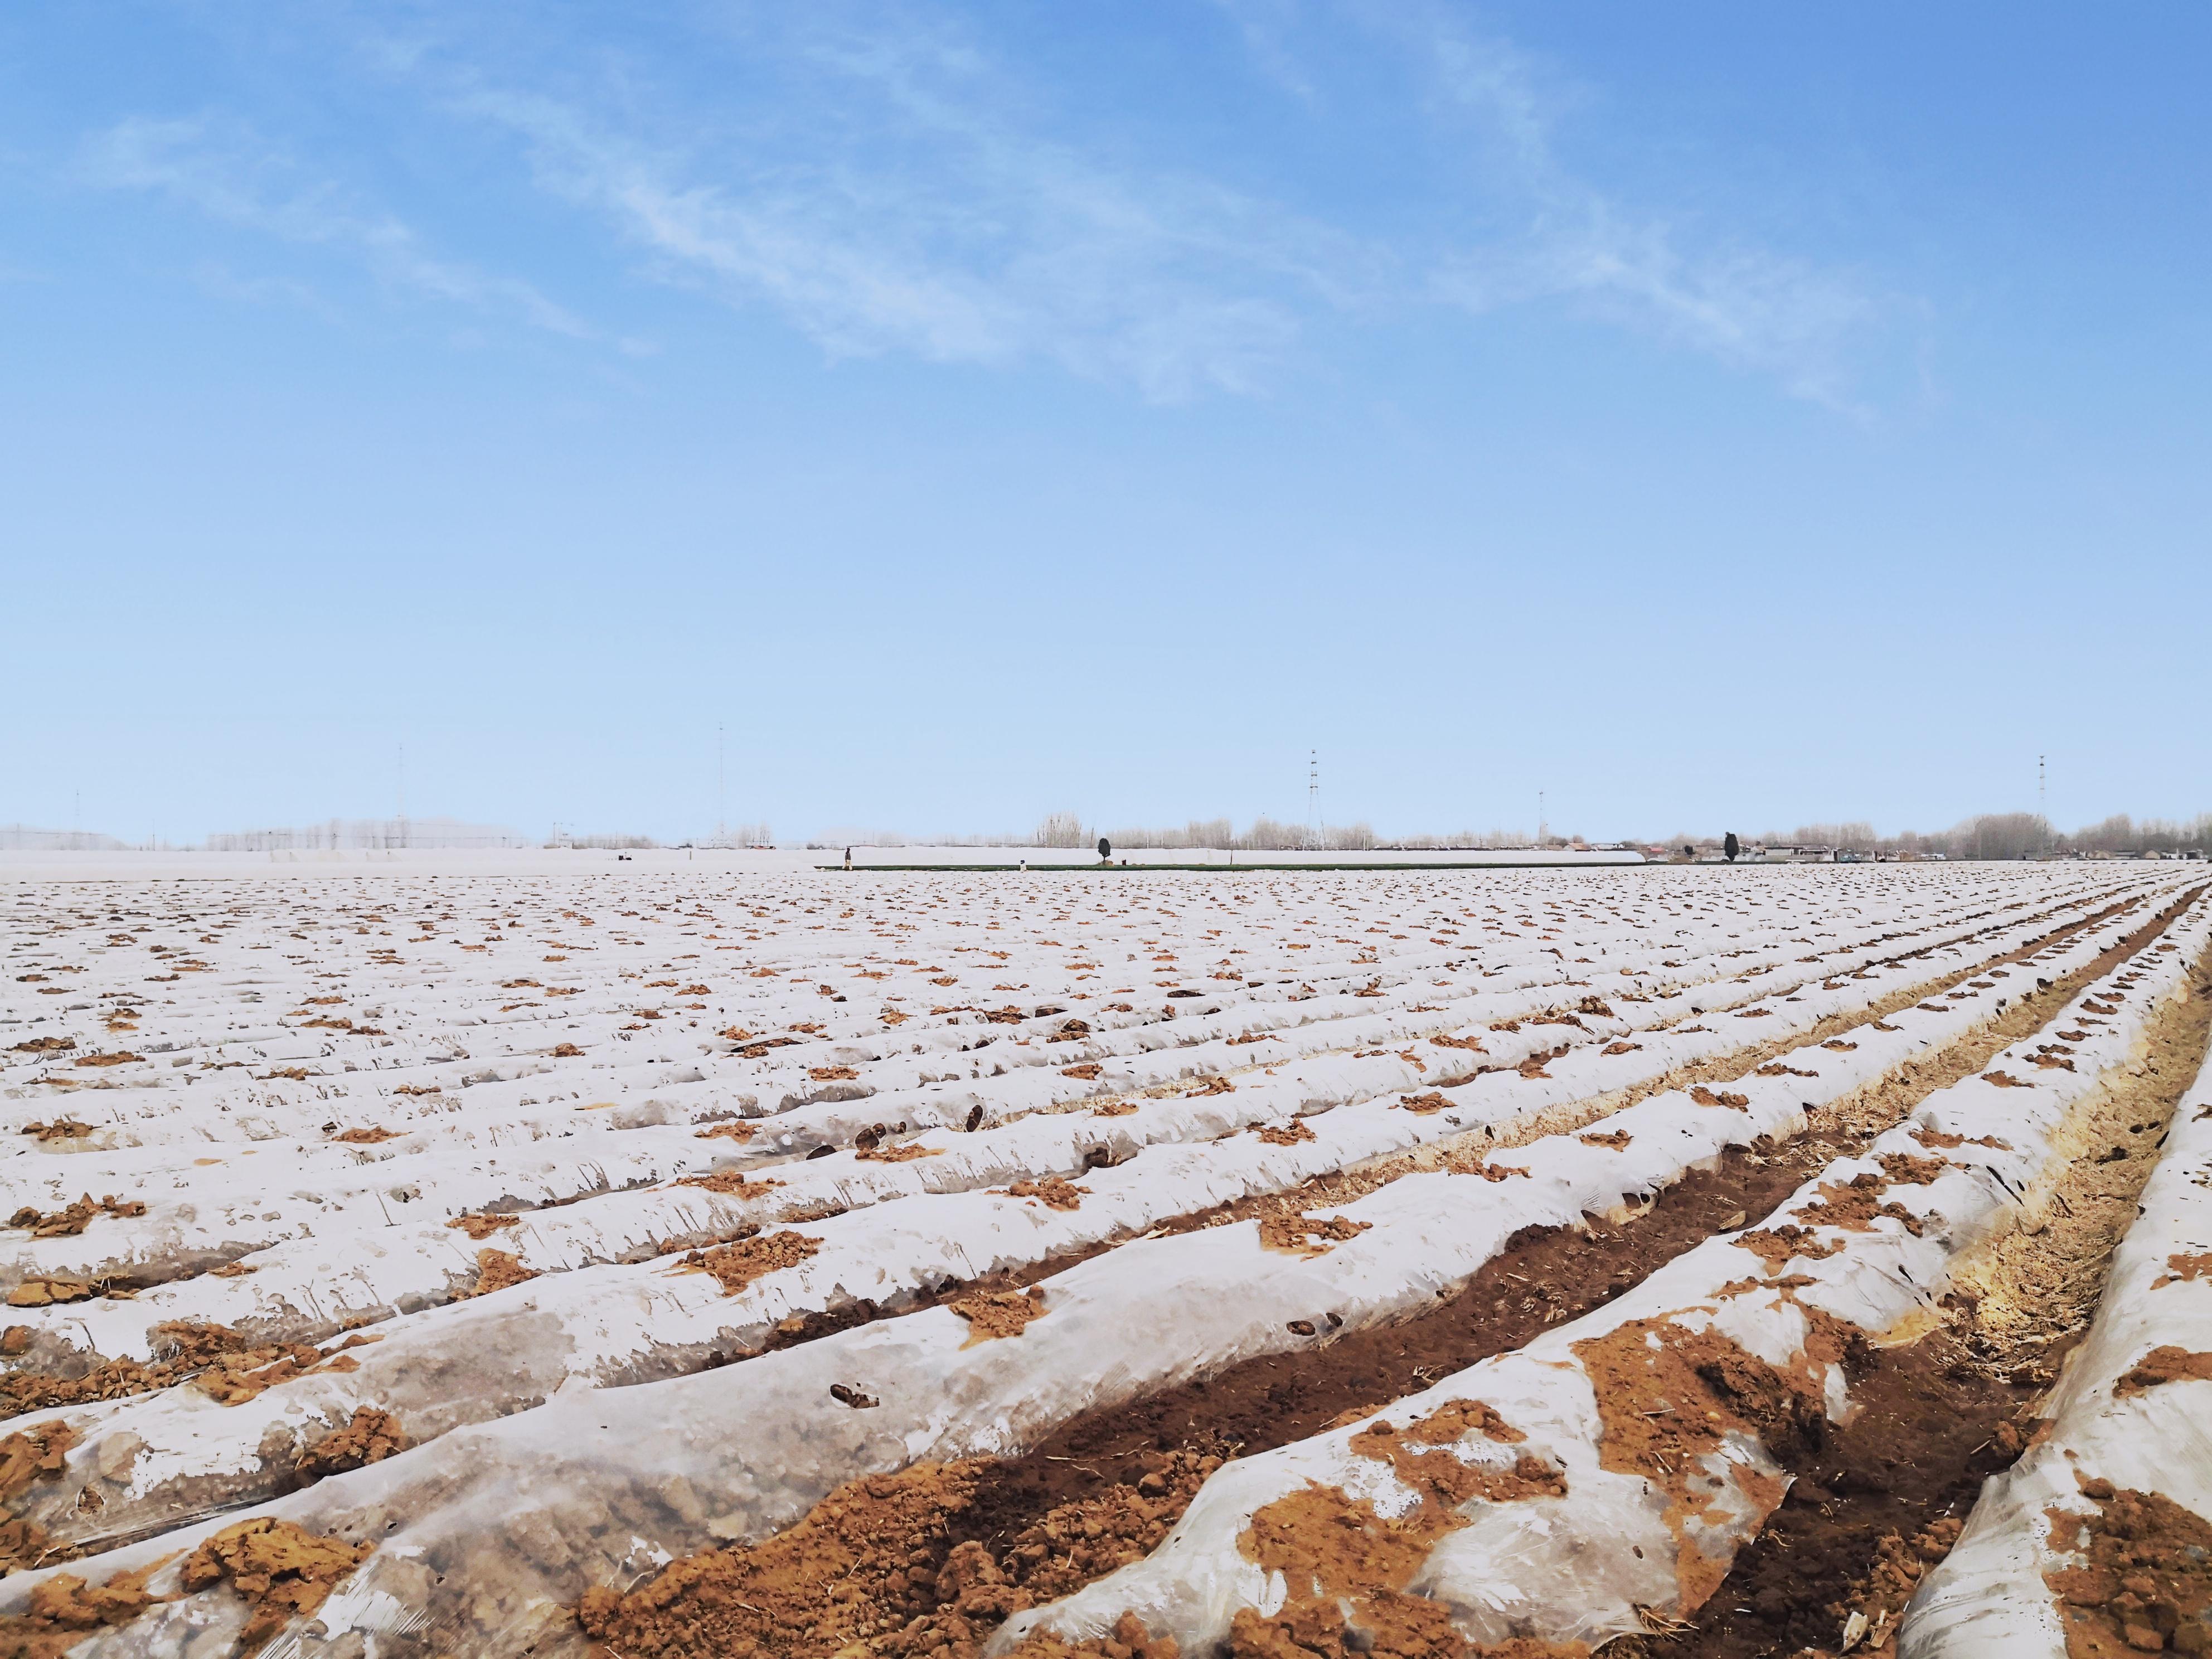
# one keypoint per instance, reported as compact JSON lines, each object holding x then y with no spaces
{"x":2166,"y":1364}
{"x":2143,"y":1580}
{"x":480,"y":1227}
{"x":284,"y":1571}
{"x":736,"y":1266}
{"x":1852,"y":1205}
{"x":732,"y":1184}
{"x":72,"y":1220}
{"x":1778,"y":1246}
{"x":994,"y":1314}
{"x":1054,"y":1192}
{"x":1449,"y":1480}
{"x":1668,"y":1397}
{"x":1345,"y":1568}
{"x":2183,"y":1265}
{"x":897,"y":1152}
{"x":497,"y":1270}
{"x":61,"y":1612}
{"x":38,"y":1452}
{"x":1296,"y":1233}
{"x":371,"y":1437}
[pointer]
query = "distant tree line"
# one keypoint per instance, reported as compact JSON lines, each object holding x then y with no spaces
{"x":2004,"y":836}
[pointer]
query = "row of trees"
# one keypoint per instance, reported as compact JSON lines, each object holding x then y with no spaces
{"x":2009,"y":835}
{"x":1265,"y":835}
{"x":1987,"y":836}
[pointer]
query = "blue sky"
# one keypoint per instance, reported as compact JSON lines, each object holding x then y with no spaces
{"x":1708,"y":415}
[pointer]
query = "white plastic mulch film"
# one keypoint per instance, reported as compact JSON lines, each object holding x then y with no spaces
{"x":469,"y":1360}
{"x":490,"y":1528}
{"x":2125,"y":1462}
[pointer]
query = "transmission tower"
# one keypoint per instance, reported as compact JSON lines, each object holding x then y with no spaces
{"x":1313,"y":797}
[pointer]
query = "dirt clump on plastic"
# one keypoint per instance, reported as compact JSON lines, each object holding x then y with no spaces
{"x":737,"y":1265}
{"x":1293,"y":1134}
{"x":1054,"y":1192}
{"x":61,"y":1612}
{"x":374,"y":1135}
{"x":72,"y":1218}
{"x":2168,"y":1364}
{"x":1301,"y":1235}
{"x":1778,"y":1246}
{"x":2143,"y":1579}
{"x":183,"y":1350}
{"x":496,"y":1270}
{"x":1853,"y":1205}
{"x":1439,"y":1474}
{"x":2183,"y":1265}
{"x":896,"y":1151}
{"x":480,"y":1227}
{"x":38,"y":1452}
{"x":732,"y":1184}
{"x":1346,"y":1569}
{"x":284,"y":1571}
{"x":371,"y":1437}
{"x":994,"y":1314}
{"x":62,"y":1128}
{"x":1670,"y":1396}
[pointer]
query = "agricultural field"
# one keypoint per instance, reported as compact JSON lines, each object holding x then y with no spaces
{"x":815,"y":1265}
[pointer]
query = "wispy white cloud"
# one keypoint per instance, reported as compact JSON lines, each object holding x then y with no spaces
{"x":1745,"y":304}
{"x":885,"y":185}
{"x":905,"y":208}
{"x":221,"y":168}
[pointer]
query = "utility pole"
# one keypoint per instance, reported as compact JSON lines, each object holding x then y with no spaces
{"x":721,"y":794}
{"x":2042,"y":802}
{"x":1543,"y":827}
{"x":1313,"y":797}
{"x":402,"y":794}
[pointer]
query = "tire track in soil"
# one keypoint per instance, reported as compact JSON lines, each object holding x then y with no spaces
{"x":982,"y":1540}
